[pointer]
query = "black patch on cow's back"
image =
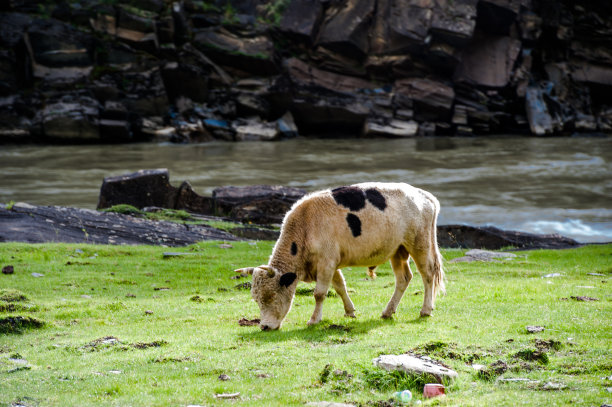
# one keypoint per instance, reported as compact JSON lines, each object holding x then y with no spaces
{"x":376,"y":198}
{"x":354,"y":223}
{"x":350,"y":197}
{"x":294,"y":248}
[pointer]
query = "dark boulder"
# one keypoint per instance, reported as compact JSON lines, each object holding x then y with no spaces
{"x":14,"y":25}
{"x":488,"y":237}
{"x":147,"y":188}
{"x":256,"y":203}
{"x":247,"y":54}
{"x":454,"y":24}
{"x":185,"y":80}
{"x":488,"y":61}
{"x":58,"y":52}
{"x":345,"y":29}
{"x":497,"y":16}
{"x":139,"y":189}
{"x":301,"y":19}
{"x":188,"y":199}
{"x":303,"y":75}
{"x":73,"y":117}
{"x":432,"y":99}
{"x":400,"y":26}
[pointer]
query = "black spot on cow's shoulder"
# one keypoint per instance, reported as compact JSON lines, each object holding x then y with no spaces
{"x":354,"y":223}
{"x":294,"y":248}
{"x":350,"y":197}
{"x":376,"y":198}
{"x":287,"y":279}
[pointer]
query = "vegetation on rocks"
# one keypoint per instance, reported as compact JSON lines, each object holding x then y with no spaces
{"x":124,"y":325}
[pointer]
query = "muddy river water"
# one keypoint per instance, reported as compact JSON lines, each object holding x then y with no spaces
{"x":539,"y":185}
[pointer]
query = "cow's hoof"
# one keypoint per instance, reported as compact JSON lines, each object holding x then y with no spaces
{"x":387,"y":316}
{"x":425,"y":313}
{"x":313,"y":322}
{"x":350,"y":315}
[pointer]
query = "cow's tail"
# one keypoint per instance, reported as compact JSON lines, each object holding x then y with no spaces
{"x":438,"y":271}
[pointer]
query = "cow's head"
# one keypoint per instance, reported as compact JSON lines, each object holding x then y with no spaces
{"x":273,"y":292}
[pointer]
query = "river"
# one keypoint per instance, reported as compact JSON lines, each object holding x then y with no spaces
{"x":538,"y":185}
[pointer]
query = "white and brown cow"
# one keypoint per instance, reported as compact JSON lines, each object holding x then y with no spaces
{"x":358,"y":225}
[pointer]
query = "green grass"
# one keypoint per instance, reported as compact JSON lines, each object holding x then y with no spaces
{"x":171,"y":215}
{"x":110,"y":325}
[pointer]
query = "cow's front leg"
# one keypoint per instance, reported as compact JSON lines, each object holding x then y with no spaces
{"x":340,"y":287}
{"x":324,"y":278}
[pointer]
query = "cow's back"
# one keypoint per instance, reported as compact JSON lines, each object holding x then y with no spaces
{"x":363,"y":224}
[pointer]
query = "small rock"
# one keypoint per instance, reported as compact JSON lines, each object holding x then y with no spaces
{"x":263,"y":376}
{"x":8,"y":270}
{"x":224,"y":377}
{"x":532,"y":329}
{"x":588,"y":274}
{"x":129,"y":295}
{"x":483,"y":255}
{"x":37,"y":275}
{"x":517,"y":379}
{"x":584,"y":298}
{"x":86,"y":296}
{"x":551,"y":275}
{"x":115,"y":371}
{"x":248,"y":322}
{"x":225,"y":246}
{"x":476,"y":366}
{"x":553,"y":386}
{"x":243,"y":286}
{"x":412,"y":364}
{"x":148,"y":312}
{"x":177,"y":254}
{"x":19,"y":368}
{"x":18,"y":361}
{"x":227,"y":395}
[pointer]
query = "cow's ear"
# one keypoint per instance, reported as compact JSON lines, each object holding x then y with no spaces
{"x":287,"y":279}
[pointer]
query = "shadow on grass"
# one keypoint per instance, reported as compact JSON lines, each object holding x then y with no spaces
{"x":325,"y":331}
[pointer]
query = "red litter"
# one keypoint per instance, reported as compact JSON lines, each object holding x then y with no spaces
{"x":433,"y":390}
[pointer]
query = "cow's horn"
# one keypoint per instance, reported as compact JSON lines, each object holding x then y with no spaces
{"x":270,"y":270}
{"x":246,"y":270}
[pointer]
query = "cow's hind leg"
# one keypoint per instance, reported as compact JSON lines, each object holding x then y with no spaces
{"x":403,"y":275}
{"x":340,"y":287}
{"x":429,"y":264}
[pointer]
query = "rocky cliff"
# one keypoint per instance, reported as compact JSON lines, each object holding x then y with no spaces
{"x":118,"y":71}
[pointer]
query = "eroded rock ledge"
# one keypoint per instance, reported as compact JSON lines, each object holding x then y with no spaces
{"x":251,"y":205}
{"x":42,"y":224}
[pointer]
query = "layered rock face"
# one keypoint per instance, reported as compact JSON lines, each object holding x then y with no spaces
{"x":239,"y":70}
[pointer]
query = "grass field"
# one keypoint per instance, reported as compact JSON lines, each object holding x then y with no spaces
{"x":106,"y":325}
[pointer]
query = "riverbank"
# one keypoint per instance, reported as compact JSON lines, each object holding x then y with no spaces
{"x":22,"y":222}
{"x":93,"y":325}
{"x":193,"y":71}
{"x":535,"y":185}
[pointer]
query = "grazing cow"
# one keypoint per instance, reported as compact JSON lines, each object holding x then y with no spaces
{"x":359,"y":225}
